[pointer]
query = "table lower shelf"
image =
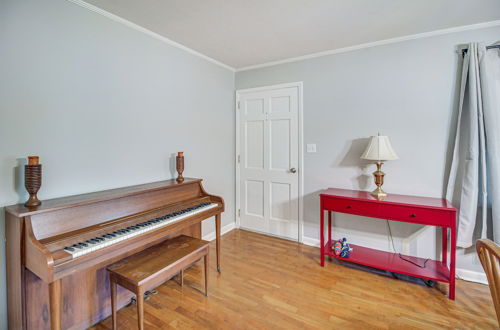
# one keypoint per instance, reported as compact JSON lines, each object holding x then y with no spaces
{"x":434,"y":270}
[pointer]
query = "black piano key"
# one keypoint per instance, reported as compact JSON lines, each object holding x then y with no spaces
{"x":129,"y":229}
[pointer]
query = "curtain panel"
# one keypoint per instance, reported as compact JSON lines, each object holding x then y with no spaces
{"x":474,"y":181}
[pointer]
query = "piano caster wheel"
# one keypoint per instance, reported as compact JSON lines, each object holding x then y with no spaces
{"x":218,"y":270}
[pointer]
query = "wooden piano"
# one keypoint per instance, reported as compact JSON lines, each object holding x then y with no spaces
{"x":57,"y":253}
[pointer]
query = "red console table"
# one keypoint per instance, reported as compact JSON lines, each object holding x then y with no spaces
{"x":421,"y":210}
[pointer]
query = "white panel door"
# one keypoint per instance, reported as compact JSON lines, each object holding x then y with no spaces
{"x":268,"y":162}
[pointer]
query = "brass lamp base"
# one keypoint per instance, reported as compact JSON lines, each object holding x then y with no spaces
{"x":378,"y":193}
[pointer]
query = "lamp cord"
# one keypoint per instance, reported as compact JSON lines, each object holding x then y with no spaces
{"x":400,"y":255}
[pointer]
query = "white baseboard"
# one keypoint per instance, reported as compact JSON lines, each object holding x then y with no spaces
{"x":463,"y":274}
{"x":224,"y":230}
{"x":471,"y":276}
{"x":310,"y":241}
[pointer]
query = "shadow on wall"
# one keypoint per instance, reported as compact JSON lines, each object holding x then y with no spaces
{"x":452,"y":128}
{"x":351,"y":157}
{"x":18,"y":173}
{"x":172,"y":165}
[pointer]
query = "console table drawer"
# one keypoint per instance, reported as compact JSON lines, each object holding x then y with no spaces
{"x":351,"y":207}
{"x":415,"y":215}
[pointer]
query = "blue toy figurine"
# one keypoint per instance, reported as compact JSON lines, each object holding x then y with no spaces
{"x":346,"y":250}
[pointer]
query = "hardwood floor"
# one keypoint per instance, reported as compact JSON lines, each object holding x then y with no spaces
{"x":269,"y":283}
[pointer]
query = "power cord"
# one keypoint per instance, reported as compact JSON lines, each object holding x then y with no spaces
{"x":400,"y":255}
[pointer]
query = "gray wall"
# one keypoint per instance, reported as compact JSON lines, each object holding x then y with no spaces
{"x":405,"y":90}
{"x":105,"y":106}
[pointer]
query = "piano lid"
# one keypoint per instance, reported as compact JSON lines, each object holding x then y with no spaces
{"x":50,"y":205}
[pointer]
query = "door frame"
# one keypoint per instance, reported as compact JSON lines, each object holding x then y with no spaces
{"x":299,"y":86}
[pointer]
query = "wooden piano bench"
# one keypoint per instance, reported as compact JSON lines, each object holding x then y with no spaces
{"x":148,"y":269}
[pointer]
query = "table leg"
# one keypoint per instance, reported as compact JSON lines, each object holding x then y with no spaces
{"x":322,"y":236}
{"x":55,"y":304}
{"x":330,"y":226}
{"x":444,"y":249}
{"x":453,"y":248}
{"x":217,"y":239}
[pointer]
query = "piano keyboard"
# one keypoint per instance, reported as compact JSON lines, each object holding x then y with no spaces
{"x":97,"y":243}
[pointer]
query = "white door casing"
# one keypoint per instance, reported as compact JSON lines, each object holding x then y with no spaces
{"x":268,"y":164}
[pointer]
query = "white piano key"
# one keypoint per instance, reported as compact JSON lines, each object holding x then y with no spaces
{"x":135,"y":232}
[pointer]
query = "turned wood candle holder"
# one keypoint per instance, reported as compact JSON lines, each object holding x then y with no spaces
{"x":179,"y":161}
{"x":33,"y":180}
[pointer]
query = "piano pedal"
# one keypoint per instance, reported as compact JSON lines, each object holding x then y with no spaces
{"x":147,"y":295}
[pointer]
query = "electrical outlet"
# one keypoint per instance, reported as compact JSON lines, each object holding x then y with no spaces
{"x":311,"y":147}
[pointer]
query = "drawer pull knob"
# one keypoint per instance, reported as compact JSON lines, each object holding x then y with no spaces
{"x":413,"y":215}
{"x":349,"y":206}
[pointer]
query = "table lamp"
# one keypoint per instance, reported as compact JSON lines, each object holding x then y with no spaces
{"x":380,"y":150}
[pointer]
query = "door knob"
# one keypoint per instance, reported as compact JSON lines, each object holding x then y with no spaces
{"x":293,"y":170}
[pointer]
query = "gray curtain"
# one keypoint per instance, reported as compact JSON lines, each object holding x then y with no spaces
{"x":474,"y":182}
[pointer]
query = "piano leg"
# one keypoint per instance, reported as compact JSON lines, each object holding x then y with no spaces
{"x":217,"y":239}
{"x":55,"y":304}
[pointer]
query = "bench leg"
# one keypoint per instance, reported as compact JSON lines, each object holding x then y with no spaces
{"x":205,"y":259}
{"x":140,"y":309}
{"x":113,"y":288}
{"x":182,"y":277}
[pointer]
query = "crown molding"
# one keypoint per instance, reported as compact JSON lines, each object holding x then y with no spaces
{"x":148,"y":32}
{"x":286,"y":60}
{"x":374,"y":44}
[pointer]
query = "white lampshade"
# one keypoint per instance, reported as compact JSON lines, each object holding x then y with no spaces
{"x":379,"y":149}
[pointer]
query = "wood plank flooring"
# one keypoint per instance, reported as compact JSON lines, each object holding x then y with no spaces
{"x":269,"y":283}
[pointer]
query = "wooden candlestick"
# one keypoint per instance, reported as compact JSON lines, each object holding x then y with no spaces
{"x":33,"y":180}
{"x":33,"y":160}
{"x":179,"y":161}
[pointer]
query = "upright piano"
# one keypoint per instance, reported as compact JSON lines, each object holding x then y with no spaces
{"x":57,"y":253}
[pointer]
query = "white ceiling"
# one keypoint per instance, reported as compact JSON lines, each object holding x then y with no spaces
{"x":243,"y":33}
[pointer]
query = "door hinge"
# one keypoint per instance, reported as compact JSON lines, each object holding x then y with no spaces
{"x":239,"y":159}
{"x":239,"y":213}
{"x":238,"y":104}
